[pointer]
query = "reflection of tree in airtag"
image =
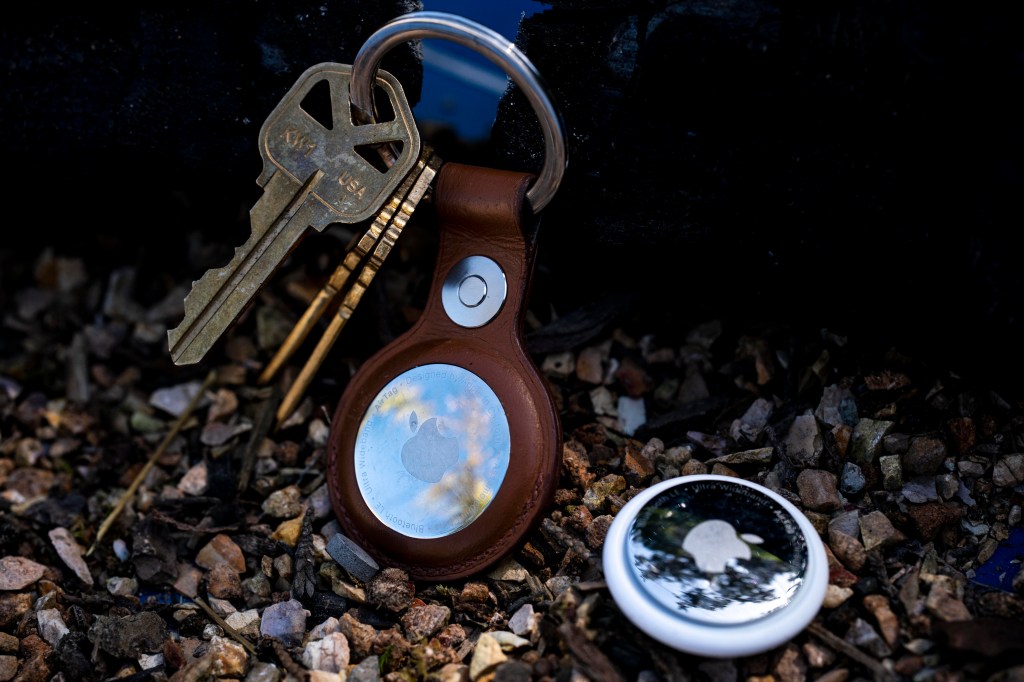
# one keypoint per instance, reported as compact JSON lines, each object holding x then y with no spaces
{"x":428,"y":454}
{"x":691,"y":559}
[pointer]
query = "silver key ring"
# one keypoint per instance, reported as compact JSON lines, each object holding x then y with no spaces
{"x":493,"y":46}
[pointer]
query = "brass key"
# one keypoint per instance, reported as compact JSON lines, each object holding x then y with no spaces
{"x":315,"y":172}
{"x":381,"y":237}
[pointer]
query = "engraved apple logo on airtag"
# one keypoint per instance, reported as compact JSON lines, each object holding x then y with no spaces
{"x":428,"y":454}
{"x":715,"y":543}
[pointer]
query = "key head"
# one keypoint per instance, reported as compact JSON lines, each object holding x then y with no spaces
{"x":313,"y":129}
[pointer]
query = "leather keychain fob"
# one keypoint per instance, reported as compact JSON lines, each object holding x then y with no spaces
{"x":445,"y":446}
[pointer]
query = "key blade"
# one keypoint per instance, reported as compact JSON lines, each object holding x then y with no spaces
{"x":218,"y":298}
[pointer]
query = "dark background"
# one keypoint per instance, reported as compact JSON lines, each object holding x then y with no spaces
{"x":851,"y":166}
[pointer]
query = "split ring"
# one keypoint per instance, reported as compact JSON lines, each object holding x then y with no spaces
{"x":493,"y":46}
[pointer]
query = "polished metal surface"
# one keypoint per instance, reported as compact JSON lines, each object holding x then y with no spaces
{"x":496,"y":48}
{"x":313,"y":176}
{"x":717,"y":553}
{"x":474,"y":291}
{"x":432,"y":450}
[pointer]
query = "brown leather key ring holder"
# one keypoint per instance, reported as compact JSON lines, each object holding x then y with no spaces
{"x":492,"y":452}
{"x":445,"y":446}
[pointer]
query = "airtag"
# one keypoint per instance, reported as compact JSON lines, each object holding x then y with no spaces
{"x":432,"y":450}
{"x":445,"y":446}
{"x":715,"y":565}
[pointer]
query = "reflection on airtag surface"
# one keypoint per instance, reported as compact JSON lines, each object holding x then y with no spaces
{"x":717,"y":552}
{"x":432,"y":450}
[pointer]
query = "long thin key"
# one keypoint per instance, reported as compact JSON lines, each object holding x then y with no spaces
{"x":431,"y":164}
{"x":316,"y":171}
{"x":339,"y":278}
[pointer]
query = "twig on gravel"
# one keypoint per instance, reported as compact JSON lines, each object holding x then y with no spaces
{"x":141,"y":476}
{"x":227,"y":628}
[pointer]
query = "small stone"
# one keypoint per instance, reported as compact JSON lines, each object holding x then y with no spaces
{"x":286,"y":503}
{"x":751,"y":425}
{"x":121,"y":586}
{"x":13,"y":607}
{"x":877,"y":531}
{"x":285,"y":622}
{"x":818,"y":656}
{"x":229,"y":657}
{"x":929,"y":518}
{"x":632,"y":414}
{"x":71,"y":553}
{"x":487,"y":655}
{"x":559,"y":365}
{"x":221,"y":550}
{"x":851,"y":480}
{"x":598,"y":530}
{"x":866,"y":440}
{"x":848,"y":550}
{"x":892,"y":472}
{"x":817,"y":490}
{"x":121,"y":550}
{"x":947,"y":485}
{"x":263,"y":672}
{"x":835,"y":596}
{"x":284,"y":565}
{"x":288,"y":532}
{"x":803,"y":443}
{"x":219,"y":433}
{"x":8,"y":643}
{"x":320,"y":501}
{"x":509,"y":641}
{"x":757,"y":456}
{"x":925,"y":455}
{"x":391,"y":589}
{"x":865,"y":637}
{"x":187,"y":582}
{"x":352,"y":558}
{"x":368,"y":670}
{"x":318,"y":433}
{"x":423,"y":622}
{"x":211,"y":630}
{"x":8,"y":668}
{"x":887,"y":620}
{"x":452,"y":672}
{"x":945,"y":606}
{"x":51,"y":626}
{"x":837,"y":406}
{"x":509,"y":570}
{"x":360,"y":636}
{"x":150,"y":661}
{"x":791,"y":666}
{"x":174,"y":400}
{"x":246,"y":623}
{"x":128,"y":636}
{"x":325,"y":628}
{"x":224,"y":582}
{"x":524,"y":622}
{"x":195,"y":480}
{"x":602,"y":402}
{"x":594,"y":498}
{"x":17,"y":573}
{"x":330,"y":653}
{"x":920,"y":489}
{"x":1008,"y":471}
{"x":590,"y":365}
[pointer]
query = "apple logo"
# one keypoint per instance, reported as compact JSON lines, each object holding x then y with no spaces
{"x":713,"y":544}
{"x":428,"y":454}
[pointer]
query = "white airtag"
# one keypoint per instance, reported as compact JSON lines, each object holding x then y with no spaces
{"x":715,"y":566}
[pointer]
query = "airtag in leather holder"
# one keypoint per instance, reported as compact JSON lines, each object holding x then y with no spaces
{"x":444,"y":448}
